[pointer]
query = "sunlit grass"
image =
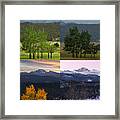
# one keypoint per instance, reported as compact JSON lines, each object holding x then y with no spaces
{"x":55,"y":56}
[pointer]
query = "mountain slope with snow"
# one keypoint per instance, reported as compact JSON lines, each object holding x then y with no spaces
{"x":82,"y":70}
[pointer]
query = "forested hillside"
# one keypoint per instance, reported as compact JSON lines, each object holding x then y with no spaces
{"x":53,"y":29}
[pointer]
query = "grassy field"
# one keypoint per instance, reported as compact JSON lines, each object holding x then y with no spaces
{"x":68,"y":56}
{"x":55,"y":56}
{"x":65,"y":55}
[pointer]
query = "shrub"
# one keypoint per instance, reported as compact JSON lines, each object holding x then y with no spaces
{"x":32,"y":94}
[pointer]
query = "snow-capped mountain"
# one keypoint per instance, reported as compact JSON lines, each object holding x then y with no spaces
{"x":42,"y":76}
{"x":38,"y":72}
{"x":82,"y":70}
{"x":67,"y":72}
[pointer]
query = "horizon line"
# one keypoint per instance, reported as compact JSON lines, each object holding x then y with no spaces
{"x":62,"y":21}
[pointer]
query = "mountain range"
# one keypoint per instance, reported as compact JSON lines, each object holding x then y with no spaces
{"x":82,"y":70}
{"x":60,"y":21}
{"x":41,"y":76}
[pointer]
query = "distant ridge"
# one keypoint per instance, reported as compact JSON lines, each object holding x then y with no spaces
{"x":63,"y":21}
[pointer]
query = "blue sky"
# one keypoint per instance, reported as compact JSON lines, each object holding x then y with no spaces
{"x":65,"y":21}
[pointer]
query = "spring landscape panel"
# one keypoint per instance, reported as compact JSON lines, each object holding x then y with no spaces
{"x":59,"y":59}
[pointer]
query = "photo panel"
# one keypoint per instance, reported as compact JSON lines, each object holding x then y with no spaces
{"x":80,"y":40}
{"x":59,"y":59}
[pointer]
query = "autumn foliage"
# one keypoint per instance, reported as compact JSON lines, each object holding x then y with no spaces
{"x":32,"y":94}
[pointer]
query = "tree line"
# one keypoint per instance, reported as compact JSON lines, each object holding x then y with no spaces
{"x":36,"y":43}
{"x":78,"y":43}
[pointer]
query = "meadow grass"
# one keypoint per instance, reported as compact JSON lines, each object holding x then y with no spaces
{"x":68,"y":56}
{"x":55,"y":56}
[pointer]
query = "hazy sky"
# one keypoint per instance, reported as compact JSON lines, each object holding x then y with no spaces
{"x":77,"y":64}
{"x":65,"y":21}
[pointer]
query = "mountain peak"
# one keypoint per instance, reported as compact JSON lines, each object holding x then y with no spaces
{"x":39,"y":71}
{"x":83,"y":69}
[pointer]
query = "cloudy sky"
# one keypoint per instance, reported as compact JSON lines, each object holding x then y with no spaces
{"x":77,"y":64}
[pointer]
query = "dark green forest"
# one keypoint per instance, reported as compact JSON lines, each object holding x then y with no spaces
{"x":78,"y":45}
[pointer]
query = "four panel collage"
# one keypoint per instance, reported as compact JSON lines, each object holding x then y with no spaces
{"x":60,"y":60}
